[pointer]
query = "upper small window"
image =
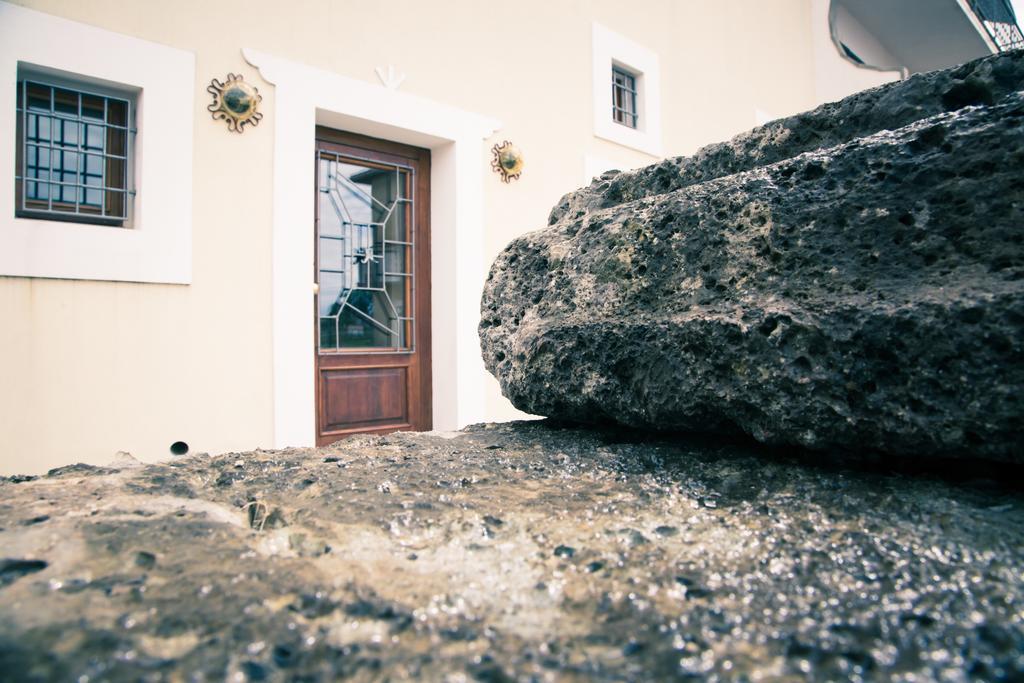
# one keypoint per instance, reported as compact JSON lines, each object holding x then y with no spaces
{"x":635,"y":120}
{"x":624,"y":97}
{"x":74,"y":152}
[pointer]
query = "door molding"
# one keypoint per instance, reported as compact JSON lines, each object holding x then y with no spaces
{"x":304,"y":97}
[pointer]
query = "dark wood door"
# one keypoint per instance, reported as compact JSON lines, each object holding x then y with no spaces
{"x":372,"y":301}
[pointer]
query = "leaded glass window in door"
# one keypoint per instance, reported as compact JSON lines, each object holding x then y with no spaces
{"x":365,"y":255}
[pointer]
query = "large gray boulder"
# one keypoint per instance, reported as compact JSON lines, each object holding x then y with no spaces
{"x":867,"y":294}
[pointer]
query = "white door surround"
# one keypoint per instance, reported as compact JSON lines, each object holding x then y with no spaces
{"x":305,"y":97}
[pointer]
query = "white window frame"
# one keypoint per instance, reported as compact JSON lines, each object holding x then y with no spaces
{"x":158,"y":245}
{"x":613,"y":50}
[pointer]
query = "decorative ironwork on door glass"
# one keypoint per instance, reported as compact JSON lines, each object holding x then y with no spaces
{"x":365,"y":250}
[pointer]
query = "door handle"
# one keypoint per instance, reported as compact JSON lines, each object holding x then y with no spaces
{"x":316,"y":287}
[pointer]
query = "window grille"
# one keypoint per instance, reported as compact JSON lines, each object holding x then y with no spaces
{"x":1000,"y":22}
{"x":624,"y":97}
{"x":74,"y":154}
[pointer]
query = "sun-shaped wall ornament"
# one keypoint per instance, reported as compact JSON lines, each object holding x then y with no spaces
{"x":235,"y":101}
{"x":508,"y":161}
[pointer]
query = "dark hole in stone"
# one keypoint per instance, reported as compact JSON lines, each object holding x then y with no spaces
{"x":145,"y":559}
{"x":931,"y":137}
{"x":13,"y":569}
{"x":179,"y":448}
{"x":254,"y":671}
{"x":965,"y":94}
{"x":972,"y":315}
{"x":283,"y":656}
{"x":813,"y":171}
{"x":924,"y":620}
{"x":1000,"y":344}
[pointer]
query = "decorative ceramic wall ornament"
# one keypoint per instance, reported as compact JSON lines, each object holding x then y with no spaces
{"x":508,"y":161}
{"x":235,"y":101}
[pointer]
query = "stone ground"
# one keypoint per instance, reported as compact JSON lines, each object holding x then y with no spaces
{"x":521,"y":551}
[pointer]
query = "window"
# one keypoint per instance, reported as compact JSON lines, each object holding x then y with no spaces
{"x":635,"y":120}
{"x":159,"y":85}
{"x":74,"y":152}
{"x":624,"y":97}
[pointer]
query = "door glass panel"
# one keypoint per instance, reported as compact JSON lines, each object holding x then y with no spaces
{"x":395,"y":258}
{"x":365,"y":233}
{"x":331,"y":293}
{"x":330,"y":250}
{"x":396,"y":226}
{"x":398,"y":288}
{"x":369,"y":321}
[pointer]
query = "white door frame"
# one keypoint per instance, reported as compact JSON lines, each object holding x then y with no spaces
{"x":305,"y":97}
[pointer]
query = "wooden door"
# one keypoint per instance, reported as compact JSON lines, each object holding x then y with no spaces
{"x":372,"y":297}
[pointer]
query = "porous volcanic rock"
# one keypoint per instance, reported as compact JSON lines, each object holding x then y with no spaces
{"x":865,"y":295}
{"x":520,"y":552}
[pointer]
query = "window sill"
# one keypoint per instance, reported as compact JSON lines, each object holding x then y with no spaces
{"x":628,"y":137}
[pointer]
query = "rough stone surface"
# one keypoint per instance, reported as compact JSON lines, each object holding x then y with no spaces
{"x":863,"y":295}
{"x":512,"y":552}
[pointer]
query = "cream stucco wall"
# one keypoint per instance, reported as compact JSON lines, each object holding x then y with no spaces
{"x":88,"y":368}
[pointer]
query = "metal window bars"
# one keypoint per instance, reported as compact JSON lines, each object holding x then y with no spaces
{"x":624,"y":89}
{"x":75,"y":154}
{"x":359,"y":277}
{"x":1000,"y":22}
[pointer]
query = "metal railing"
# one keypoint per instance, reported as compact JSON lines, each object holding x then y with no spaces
{"x":1000,"y":23}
